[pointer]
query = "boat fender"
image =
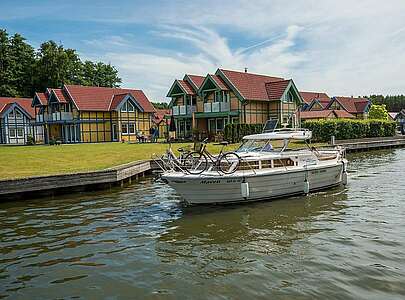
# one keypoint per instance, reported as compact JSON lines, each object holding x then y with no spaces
{"x":244,"y":189}
{"x":306,"y":186}
{"x":344,"y":178}
{"x":344,"y":174}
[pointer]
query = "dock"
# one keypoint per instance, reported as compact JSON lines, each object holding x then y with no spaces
{"x":39,"y":186}
{"x":369,"y":144}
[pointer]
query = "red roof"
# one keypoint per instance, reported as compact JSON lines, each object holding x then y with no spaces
{"x":250,"y":86}
{"x":275,"y":90}
{"x":187,"y":87}
{"x":116,"y":100}
{"x":25,"y":103}
{"x":220,"y":82}
{"x":323,"y":114}
{"x":352,"y":105}
{"x":100,"y":98}
{"x":196,"y":79}
{"x":160,"y":115}
{"x":43,"y":98}
{"x":308,"y":97}
{"x":60,"y":95}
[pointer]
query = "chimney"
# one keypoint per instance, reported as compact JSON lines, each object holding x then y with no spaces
{"x":246,"y":69}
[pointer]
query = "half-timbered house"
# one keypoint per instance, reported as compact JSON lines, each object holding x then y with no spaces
{"x":86,"y":114}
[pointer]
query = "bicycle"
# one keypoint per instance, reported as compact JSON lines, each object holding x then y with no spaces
{"x":196,"y":162}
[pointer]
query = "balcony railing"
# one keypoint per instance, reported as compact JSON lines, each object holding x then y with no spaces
{"x":216,"y":107}
{"x":183,"y":110}
{"x":56,"y":116}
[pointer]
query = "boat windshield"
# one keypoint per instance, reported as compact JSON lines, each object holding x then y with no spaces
{"x":255,"y":146}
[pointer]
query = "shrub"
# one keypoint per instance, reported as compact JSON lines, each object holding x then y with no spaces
{"x":235,"y":132}
{"x":343,"y":129}
{"x":30,"y":140}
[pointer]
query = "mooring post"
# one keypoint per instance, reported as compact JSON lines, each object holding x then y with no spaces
{"x":332,"y":140}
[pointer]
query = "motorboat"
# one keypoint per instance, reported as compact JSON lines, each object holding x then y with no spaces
{"x":264,"y":167}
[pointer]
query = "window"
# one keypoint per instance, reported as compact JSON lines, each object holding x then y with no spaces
{"x":20,"y":132}
{"x":235,"y":120}
{"x":18,"y":115}
{"x":220,"y":124}
{"x":124,"y":108}
{"x":131,"y":108}
{"x":124,"y":128}
{"x":131,"y":128}
{"x":12,"y":132}
{"x":11,"y":114}
{"x":289,"y":97}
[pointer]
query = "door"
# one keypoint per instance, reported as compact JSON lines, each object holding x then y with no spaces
{"x":114,"y":132}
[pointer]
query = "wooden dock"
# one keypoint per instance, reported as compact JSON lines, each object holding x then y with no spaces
{"x":44,"y":185}
{"x":369,"y":144}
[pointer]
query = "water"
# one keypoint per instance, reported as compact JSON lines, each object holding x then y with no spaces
{"x":142,"y":243}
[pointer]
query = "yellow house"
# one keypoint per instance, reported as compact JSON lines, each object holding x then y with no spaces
{"x":86,"y":114}
{"x":207,"y":103}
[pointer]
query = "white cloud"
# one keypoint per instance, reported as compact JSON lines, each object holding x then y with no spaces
{"x":342,"y":47}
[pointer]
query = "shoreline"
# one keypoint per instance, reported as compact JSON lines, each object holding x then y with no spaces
{"x":40,"y":186}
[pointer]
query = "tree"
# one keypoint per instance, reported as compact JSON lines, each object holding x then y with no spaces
{"x":6,"y":87}
{"x":378,"y":112}
{"x":160,"y":105}
{"x":23,"y":71}
{"x":21,"y":66}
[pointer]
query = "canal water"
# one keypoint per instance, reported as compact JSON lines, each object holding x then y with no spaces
{"x":140,"y":242}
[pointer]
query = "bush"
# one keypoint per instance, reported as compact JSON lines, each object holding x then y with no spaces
{"x":235,"y":132}
{"x":344,"y":129}
{"x":30,"y":140}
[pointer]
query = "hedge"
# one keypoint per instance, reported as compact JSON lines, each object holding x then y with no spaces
{"x":344,"y":129}
{"x":235,"y":132}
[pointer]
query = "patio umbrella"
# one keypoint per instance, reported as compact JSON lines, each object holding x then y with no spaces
{"x":172,"y":125}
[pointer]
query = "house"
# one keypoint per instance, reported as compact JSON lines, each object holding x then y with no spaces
{"x":161,"y":121}
{"x":16,"y":115}
{"x":87,"y":114}
{"x":325,"y":114}
{"x":314,"y":100}
{"x":400,"y":117}
{"x":208,"y":103}
{"x":358,"y":107}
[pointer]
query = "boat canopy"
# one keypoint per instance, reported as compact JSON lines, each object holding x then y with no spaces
{"x":282,"y":134}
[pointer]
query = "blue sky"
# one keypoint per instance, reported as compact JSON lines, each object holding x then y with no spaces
{"x":340,"y":47}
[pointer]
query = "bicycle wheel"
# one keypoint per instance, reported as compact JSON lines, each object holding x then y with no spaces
{"x":229,"y":162}
{"x":195,"y":163}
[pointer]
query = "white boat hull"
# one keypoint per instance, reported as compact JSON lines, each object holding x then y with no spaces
{"x":262,"y":184}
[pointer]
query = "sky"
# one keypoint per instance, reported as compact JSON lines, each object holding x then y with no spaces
{"x":348,"y":48}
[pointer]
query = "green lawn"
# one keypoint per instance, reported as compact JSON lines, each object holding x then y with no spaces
{"x":26,"y":161}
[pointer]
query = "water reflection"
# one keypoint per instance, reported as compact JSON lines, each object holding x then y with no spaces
{"x":142,"y":242}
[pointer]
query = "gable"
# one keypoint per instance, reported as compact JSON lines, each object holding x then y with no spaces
{"x":176,"y":89}
{"x":127,"y":103}
{"x":14,"y":111}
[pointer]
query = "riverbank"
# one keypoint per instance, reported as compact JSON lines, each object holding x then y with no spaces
{"x":28,"y":161}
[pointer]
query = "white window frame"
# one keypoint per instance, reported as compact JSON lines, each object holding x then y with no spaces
{"x":18,"y":114}
{"x":126,"y":128}
{"x":11,"y":114}
{"x":129,"y":104}
{"x":124,"y":107}
{"x":131,"y":128}
{"x":10,"y":130}
{"x":20,"y":130}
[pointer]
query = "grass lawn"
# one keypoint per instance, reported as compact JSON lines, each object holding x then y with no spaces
{"x":26,"y":161}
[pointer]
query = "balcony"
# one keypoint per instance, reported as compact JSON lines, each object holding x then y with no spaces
{"x":60,"y":116}
{"x":183,"y":110}
{"x":216,"y":107}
